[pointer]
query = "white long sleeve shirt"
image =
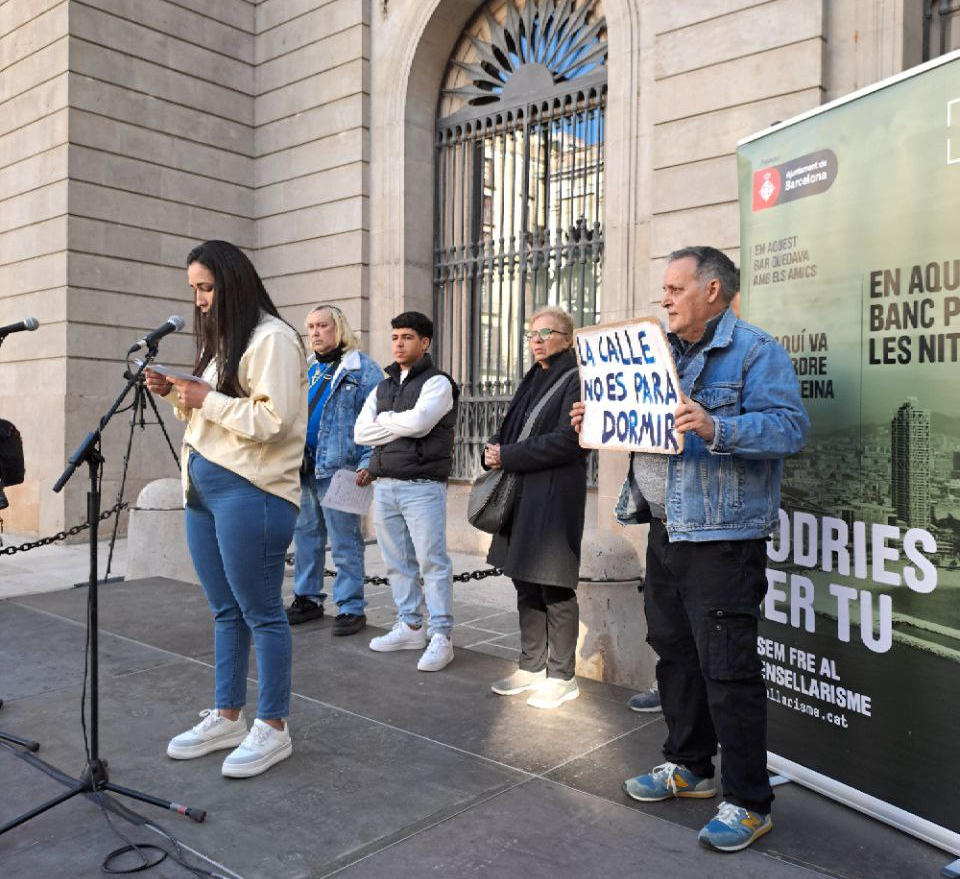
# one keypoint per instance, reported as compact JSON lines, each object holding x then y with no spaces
{"x":378,"y":429}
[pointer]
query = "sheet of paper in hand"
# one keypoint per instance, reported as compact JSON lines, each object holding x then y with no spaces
{"x":629,"y":383}
{"x":344,"y":494}
{"x":169,"y":371}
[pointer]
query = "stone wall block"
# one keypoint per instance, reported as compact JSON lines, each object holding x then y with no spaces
{"x":673,"y":16}
{"x":157,"y":215}
{"x":306,"y":130}
{"x":174,"y":20}
{"x":710,"y":182}
{"x":344,"y":249}
{"x":324,"y":54}
{"x":170,"y":84}
{"x":327,"y":219}
{"x":41,"y":100}
{"x":33,"y":35}
{"x":752,"y":30}
{"x":716,"y":225}
{"x":160,"y":148}
{"x":31,"y":71}
{"x":753,"y":78}
{"x":710,"y":135}
{"x":101,"y":29}
{"x":16,"y":13}
{"x":38,"y":273}
{"x":33,"y":139}
{"x":159,"y":114}
{"x":286,"y":25}
{"x":41,"y":204}
{"x":44,"y":169}
{"x":146,"y":179}
{"x":342,"y":284}
{"x":345,"y":181}
{"x":321,"y":88}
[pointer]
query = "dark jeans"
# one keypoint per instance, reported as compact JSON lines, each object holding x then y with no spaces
{"x":702,"y":605}
{"x":549,"y":625}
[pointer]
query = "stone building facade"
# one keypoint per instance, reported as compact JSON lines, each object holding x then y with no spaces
{"x":305,"y":131}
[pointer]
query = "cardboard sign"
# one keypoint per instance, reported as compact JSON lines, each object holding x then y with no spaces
{"x":629,"y":383}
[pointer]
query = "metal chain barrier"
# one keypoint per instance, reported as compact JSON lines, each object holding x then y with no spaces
{"x":481,"y":574}
{"x":63,"y":535}
{"x":457,"y":578}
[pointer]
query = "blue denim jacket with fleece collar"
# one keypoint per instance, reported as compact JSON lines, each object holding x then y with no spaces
{"x":729,"y":489}
{"x":355,"y":378}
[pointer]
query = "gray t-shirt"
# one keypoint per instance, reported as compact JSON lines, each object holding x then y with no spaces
{"x":650,"y":471}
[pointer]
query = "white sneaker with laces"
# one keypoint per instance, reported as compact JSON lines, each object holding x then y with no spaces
{"x":438,"y":655}
{"x":213,"y":733}
{"x":400,"y":637}
{"x":553,"y":693}
{"x":262,"y":747}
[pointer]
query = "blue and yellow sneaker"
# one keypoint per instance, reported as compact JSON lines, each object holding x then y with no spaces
{"x":666,"y":781}
{"x":733,"y":828}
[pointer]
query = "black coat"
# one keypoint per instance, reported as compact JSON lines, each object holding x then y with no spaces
{"x":542,"y":542}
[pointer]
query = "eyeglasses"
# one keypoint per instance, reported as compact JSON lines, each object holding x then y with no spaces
{"x":543,"y":334}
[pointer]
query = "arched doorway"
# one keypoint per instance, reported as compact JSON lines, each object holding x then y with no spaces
{"x":519,"y":187}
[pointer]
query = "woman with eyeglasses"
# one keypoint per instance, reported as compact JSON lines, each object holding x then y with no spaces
{"x":246,"y":415}
{"x":540,"y":547}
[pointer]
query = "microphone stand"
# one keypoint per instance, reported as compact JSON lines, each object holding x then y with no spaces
{"x":94,"y":779}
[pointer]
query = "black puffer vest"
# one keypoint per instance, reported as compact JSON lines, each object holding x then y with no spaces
{"x":428,"y":457}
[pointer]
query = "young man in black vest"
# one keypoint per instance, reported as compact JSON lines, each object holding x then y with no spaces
{"x":409,"y":420}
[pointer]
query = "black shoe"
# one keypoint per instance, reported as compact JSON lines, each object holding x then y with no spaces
{"x":349,"y":623}
{"x":303,"y":609}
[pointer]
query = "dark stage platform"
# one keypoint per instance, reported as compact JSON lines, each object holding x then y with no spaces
{"x":394,"y":773}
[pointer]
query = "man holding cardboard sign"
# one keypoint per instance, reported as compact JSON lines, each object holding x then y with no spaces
{"x":711,"y":505}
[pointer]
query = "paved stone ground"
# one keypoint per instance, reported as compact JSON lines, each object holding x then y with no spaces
{"x":395,"y":773}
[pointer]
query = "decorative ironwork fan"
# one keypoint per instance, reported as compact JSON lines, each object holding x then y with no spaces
{"x":534,"y":48}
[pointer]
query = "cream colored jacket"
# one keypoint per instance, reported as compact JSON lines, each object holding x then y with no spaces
{"x":259,"y":436}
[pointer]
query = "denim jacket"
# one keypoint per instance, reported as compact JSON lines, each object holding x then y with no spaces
{"x":730,"y":489}
{"x":353,"y":381}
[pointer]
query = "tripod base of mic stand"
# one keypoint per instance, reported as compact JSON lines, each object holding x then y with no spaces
{"x":29,"y":744}
{"x":93,"y":780}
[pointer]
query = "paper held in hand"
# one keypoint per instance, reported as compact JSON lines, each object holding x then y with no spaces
{"x":344,"y":494}
{"x":630,"y":386}
{"x":169,"y":371}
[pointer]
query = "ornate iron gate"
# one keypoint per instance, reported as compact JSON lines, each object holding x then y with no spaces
{"x":519,"y":196}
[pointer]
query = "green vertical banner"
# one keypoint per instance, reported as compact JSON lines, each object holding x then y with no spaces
{"x":850,"y":256}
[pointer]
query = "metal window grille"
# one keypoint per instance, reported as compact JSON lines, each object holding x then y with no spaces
{"x":941,"y":27}
{"x":519,"y":198}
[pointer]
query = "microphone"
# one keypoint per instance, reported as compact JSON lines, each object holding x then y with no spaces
{"x":173,"y":324}
{"x":30,"y":323}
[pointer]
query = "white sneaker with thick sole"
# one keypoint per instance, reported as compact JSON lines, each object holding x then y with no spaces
{"x":519,"y":682}
{"x":262,"y":747}
{"x":400,"y":637}
{"x":213,"y":733}
{"x":438,"y":655}
{"x":554,"y":693}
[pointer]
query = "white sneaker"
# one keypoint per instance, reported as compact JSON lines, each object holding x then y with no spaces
{"x":213,"y":733}
{"x":553,"y":693}
{"x":519,"y":682}
{"x":400,"y":637}
{"x":438,"y":655}
{"x":262,"y":747}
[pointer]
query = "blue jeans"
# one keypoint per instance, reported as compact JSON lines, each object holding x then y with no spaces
{"x":411,"y":521}
{"x":315,"y":525}
{"x":238,"y":536}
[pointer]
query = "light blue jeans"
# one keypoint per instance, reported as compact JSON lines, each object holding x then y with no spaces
{"x":238,"y":537}
{"x":411,"y":522}
{"x":315,"y":525}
